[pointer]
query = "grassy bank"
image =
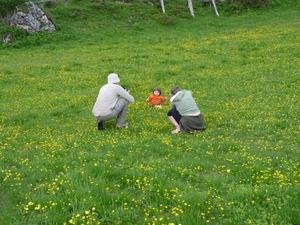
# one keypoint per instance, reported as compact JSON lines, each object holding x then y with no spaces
{"x":243,"y":70}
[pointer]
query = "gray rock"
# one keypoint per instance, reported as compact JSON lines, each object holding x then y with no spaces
{"x":7,"y":38}
{"x":31,"y":18}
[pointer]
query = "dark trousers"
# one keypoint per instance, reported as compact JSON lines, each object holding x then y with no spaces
{"x":175,"y":114}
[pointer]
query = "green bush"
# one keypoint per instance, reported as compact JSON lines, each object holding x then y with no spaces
{"x":9,"y":5}
{"x":234,"y":5}
{"x":239,"y":5}
{"x":17,"y":35}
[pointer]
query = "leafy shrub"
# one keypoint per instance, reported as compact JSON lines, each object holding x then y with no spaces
{"x":8,"y":5}
{"x":17,"y":35}
{"x":239,"y":5}
{"x":236,"y":5}
{"x":166,"y":20}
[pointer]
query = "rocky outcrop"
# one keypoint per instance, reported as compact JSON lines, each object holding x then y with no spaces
{"x":31,"y":18}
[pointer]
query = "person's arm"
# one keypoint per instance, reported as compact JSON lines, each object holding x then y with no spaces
{"x":163,"y":99}
{"x":173,"y":106}
{"x":149,"y":98}
{"x":125,"y":94}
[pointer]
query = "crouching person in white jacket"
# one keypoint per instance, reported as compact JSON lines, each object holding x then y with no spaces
{"x":112,"y":101}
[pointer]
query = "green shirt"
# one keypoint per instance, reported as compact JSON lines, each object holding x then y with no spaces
{"x":184,"y":103}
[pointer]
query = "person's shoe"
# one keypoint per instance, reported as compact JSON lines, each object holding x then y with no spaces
{"x":100,"y":125}
{"x":176,"y":131}
{"x":122,"y":125}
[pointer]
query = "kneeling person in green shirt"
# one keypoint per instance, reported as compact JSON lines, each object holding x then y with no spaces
{"x":184,"y":112}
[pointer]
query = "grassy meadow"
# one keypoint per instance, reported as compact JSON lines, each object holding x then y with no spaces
{"x":243,"y":70}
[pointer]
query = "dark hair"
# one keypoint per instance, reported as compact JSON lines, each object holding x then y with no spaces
{"x":174,"y":90}
{"x":157,"y":89}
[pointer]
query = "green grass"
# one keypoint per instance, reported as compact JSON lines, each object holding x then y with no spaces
{"x":243,"y":70}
